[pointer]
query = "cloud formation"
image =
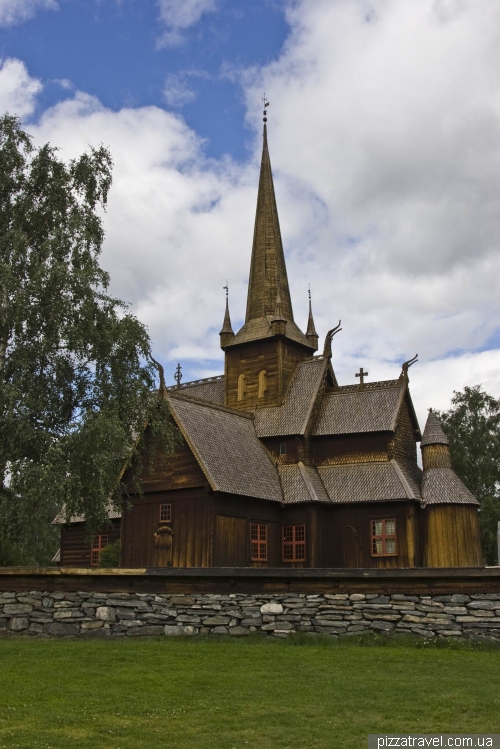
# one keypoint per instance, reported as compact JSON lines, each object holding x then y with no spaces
{"x":18,"y":91}
{"x":385,"y":142}
{"x":178,"y":16}
{"x":18,"y":11}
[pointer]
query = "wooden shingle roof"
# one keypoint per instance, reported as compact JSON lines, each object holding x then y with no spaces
{"x":442,"y":486}
{"x":366,"y":482}
{"x":294,"y":415}
{"x":353,"y":410}
{"x":227,"y":448}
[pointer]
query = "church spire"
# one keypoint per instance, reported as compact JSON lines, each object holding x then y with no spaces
{"x":226,"y":332}
{"x":311,"y":334}
{"x":268,"y":259}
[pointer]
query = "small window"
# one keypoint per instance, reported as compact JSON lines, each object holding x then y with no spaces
{"x":262,"y":383}
{"x":282,"y":448}
{"x":258,"y":541}
{"x":241,"y":387}
{"x":383,"y":537}
{"x":165,"y":513}
{"x":294,"y":543}
{"x":98,"y":544}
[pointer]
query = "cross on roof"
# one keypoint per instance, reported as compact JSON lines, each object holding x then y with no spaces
{"x":361,"y":375}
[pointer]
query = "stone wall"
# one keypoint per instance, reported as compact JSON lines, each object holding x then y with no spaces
{"x":53,"y":614}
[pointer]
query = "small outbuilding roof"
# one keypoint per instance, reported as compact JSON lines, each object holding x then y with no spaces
{"x":442,"y":486}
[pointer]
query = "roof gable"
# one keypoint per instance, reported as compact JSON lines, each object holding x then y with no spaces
{"x":294,"y":416}
{"x":354,"y":410}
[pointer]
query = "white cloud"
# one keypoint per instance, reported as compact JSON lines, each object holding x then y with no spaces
{"x":384,"y":137}
{"x":177,"y":91}
{"x":178,"y":16}
{"x":18,"y":91}
{"x":17,"y":11}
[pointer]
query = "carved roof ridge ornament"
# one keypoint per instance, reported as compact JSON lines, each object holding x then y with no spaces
{"x":327,"y":349}
{"x":161,"y":373}
{"x":405,"y":367}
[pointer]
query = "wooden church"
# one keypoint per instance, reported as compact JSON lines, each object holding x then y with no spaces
{"x":279,"y":465}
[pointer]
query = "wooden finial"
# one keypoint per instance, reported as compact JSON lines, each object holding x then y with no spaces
{"x":226,"y":288}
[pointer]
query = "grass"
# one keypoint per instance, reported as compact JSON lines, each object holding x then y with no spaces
{"x":304,"y":693}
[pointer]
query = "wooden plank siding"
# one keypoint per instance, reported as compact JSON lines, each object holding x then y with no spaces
{"x":278,"y":357}
{"x":75,"y":543}
{"x":191,"y":524}
{"x":450,"y":536}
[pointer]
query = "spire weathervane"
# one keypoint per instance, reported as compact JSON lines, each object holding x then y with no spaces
{"x":178,"y":375}
{"x":226,"y":289}
{"x":266,"y":104}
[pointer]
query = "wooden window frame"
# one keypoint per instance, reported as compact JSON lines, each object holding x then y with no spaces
{"x":98,"y":543}
{"x":242,"y":387}
{"x":294,"y":547}
{"x":262,"y":383}
{"x":282,"y":448}
{"x":259,"y":546}
{"x":384,"y":537}
{"x":166,"y":512}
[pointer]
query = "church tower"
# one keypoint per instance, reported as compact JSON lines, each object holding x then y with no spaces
{"x":261,"y":357}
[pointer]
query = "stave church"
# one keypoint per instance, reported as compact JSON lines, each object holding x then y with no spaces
{"x":280,"y":465}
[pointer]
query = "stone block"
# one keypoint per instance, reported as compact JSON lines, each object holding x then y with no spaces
{"x":219,"y":631}
{"x":95,"y":633}
{"x":423,"y":632}
{"x":216,"y":621}
{"x":106,"y":613}
{"x":18,"y":623}
{"x":35,"y":629}
{"x":459,"y":598}
{"x":357,"y":597}
{"x":63,"y":604}
{"x":67,"y":614}
{"x":253,"y":622}
{"x":17,"y":609}
{"x":91,"y":625}
{"x":271,"y":608}
{"x":382,"y":626}
{"x":60,"y":629}
{"x":238,"y":631}
{"x":483,"y":605}
{"x":150,"y":631}
{"x":172,"y":630}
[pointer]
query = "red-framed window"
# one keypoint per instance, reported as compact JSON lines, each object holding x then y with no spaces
{"x":294,"y":543}
{"x":165,"y":513}
{"x":98,"y":544}
{"x":383,"y":532}
{"x":258,"y":541}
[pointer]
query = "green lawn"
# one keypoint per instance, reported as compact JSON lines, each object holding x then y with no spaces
{"x":254,"y":694}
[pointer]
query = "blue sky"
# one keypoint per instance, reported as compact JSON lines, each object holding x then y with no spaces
{"x":384,"y":133}
{"x":113,"y":50}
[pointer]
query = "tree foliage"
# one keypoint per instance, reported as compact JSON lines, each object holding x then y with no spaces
{"x":472,"y":425}
{"x":76,"y":380}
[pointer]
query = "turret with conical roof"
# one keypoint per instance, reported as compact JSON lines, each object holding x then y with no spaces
{"x":434,"y":444}
{"x":311,"y":334}
{"x":226,"y":332}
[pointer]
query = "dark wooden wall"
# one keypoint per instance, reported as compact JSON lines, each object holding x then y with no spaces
{"x":177,"y":471}
{"x":347,"y":535}
{"x":75,"y":544}
{"x":191,"y":525}
{"x":277,"y":356}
